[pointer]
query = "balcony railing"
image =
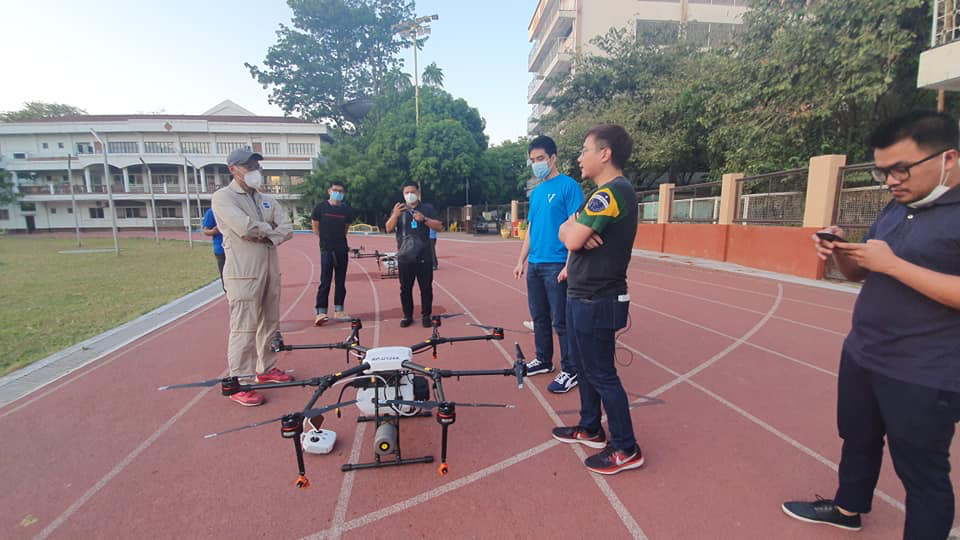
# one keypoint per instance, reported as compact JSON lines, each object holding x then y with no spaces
{"x":946,"y":22}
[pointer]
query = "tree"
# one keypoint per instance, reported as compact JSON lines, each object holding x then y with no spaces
{"x":337,"y":51}
{"x":433,"y":75}
{"x":388,"y":149}
{"x":38,"y":109}
{"x":503,"y":173}
{"x":7,"y":194}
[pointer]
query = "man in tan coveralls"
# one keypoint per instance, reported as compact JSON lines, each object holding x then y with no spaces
{"x":253,"y":225}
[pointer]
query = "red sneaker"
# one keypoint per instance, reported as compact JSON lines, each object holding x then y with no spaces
{"x":274,"y":375}
{"x":248,"y":399}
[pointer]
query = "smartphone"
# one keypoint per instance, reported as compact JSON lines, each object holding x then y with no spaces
{"x":829,"y":237}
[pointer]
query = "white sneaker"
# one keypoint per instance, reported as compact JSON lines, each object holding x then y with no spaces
{"x":341,"y":315}
{"x":528,"y":325}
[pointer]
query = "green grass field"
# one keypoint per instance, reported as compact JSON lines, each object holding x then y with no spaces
{"x":49,"y":300}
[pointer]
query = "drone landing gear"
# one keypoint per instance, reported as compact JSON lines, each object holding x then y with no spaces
{"x":386,"y":443}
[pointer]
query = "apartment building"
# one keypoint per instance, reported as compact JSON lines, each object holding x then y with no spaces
{"x":561,"y":29}
{"x":939,"y":68}
{"x":169,"y":162}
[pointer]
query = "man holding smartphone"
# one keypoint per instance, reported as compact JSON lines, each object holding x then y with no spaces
{"x":415,"y":218}
{"x":899,"y":374}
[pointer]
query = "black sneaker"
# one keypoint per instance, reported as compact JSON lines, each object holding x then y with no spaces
{"x":426,"y":322}
{"x":577,"y":434}
{"x":405,"y":322}
{"x":612,"y":461}
{"x":821,"y":511}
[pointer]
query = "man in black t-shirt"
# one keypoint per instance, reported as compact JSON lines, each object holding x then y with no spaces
{"x":600,"y":239}
{"x":415,"y":219}
{"x":330,"y":220}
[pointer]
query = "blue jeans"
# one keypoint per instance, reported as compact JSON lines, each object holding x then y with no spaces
{"x":548,"y":300}
{"x":593,"y":327}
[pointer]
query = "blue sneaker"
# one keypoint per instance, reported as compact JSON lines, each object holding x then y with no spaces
{"x":563,"y":383}
{"x":538,"y":366}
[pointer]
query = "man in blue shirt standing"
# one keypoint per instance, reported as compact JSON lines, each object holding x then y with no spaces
{"x":210,"y":229}
{"x":555,"y":199}
{"x":900,"y":365}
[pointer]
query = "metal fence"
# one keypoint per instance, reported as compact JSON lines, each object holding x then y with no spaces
{"x":859,"y":201}
{"x":776,"y":198}
{"x":648,"y":205}
{"x":698,"y":203}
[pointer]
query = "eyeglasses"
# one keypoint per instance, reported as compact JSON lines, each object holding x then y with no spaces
{"x":584,"y":150}
{"x":900,"y":173}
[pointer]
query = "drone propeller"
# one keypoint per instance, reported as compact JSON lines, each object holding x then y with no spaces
{"x":306,"y":414}
{"x":435,"y":404}
{"x":211,"y":382}
{"x":488,"y":327}
{"x":447,"y":315}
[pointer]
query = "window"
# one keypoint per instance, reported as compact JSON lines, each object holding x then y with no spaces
{"x":69,"y":210}
{"x":53,"y":210}
{"x":657,"y":32}
{"x":28,"y":207}
{"x":301,"y":149}
{"x":123,"y":147}
{"x":169,"y":212}
{"x":159,"y":147}
{"x":227,"y":147}
{"x":84,"y":148}
{"x":19,"y":155}
{"x":271,"y":149}
{"x":4,"y":214}
{"x":46,"y":146}
{"x":60,"y":145}
{"x":96,"y":213}
{"x":194,"y":147}
{"x":130,"y":213}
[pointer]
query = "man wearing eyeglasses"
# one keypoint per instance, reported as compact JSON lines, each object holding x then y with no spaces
{"x":899,"y":371}
{"x":253,"y":225}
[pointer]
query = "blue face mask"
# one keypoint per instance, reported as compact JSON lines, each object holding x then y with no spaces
{"x":336,"y":196}
{"x":541,"y":169}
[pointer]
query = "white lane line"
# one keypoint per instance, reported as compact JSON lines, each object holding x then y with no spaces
{"x":73,"y":508}
{"x":346,"y":487}
{"x":629,"y":522}
{"x":681,"y":320}
{"x":434,"y":493}
{"x":769,"y":428}
{"x":107,"y":362}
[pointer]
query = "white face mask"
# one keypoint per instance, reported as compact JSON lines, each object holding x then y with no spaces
{"x":410,"y":197}
{"x":253,"y":179}
{"x":937,"y":191}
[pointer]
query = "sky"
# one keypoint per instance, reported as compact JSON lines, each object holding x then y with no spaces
{"x":184,"y":57}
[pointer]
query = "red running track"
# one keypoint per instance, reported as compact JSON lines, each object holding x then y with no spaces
{"x":742,"y":369}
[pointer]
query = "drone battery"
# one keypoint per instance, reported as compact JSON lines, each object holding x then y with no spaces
{"x":421,"y":389}
{"x":386,"y":439}
{"x":318,"y":441}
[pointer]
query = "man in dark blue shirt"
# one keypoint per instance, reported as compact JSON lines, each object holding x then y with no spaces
{"x":900,"y":366}
{"x":210,"y":229}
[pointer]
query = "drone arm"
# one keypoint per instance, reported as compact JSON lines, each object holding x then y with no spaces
{"x":433,"y":342}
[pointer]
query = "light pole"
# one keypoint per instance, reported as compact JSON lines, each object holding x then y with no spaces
{"x":196,"y":181}
{"x":153,"y":202}
{"x":73,"y":197}
{"x":109,"y":181}
{"x":416,"y":28}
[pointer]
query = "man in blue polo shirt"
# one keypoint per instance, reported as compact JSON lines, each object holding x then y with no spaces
{"x":555,"y":199}
{"x":900,"y":366}
{"x":210,"y":229}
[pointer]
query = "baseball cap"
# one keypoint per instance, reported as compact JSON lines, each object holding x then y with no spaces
{"x":242,"y":155}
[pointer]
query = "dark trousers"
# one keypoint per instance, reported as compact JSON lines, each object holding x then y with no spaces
{"x":433,"y":248}
{"x":333,"y":266}
{"x":547,"y":300}
{"x":421,"y":272}
{"x":592,"y":326}
{"x":221,"y":260}
{"x":918,"y":422}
